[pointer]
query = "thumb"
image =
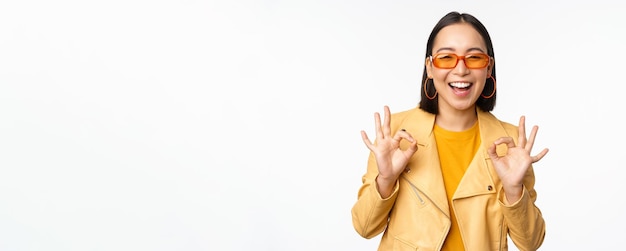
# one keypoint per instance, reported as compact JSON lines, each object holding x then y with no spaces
{"x":491,"y":151}
{"x":412,"y":149}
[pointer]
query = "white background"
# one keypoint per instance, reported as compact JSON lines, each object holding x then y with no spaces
{"x":234,"y":125}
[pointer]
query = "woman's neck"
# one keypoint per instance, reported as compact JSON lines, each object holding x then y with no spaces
{"x":456,"y":120}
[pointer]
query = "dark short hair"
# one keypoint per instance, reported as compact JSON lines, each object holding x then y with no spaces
{"x":485,"y":104}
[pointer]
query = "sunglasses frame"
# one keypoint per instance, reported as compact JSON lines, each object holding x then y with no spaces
{"x":458,"y":58}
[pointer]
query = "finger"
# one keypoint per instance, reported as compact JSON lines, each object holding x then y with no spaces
{"x":505,"y":140}
{"x":411,"y":150}
{"x":379,"y":131}
{"x":387,"y":125}
{"x":531,"y":138}
{"x":412,"y":147}
{"x":366,"y":140}
{"x":539,"y":156}
{"x":403,"y":134}
{"x":522,"y":131}
{"x":492,"y":151}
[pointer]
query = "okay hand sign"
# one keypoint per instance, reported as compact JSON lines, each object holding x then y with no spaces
{"x":512,"y":167}
{"x":391,"y":160}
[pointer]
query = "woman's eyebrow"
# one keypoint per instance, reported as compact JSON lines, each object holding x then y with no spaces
{"x":452,"y":49}
{"x":445,"y":49}
{"x":476,"y":49}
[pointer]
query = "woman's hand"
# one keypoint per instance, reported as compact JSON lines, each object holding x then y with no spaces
{"x":512,"y":167}
{"x":391,"y":160}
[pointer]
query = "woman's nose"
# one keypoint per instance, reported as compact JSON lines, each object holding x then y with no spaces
{"x":461,"y":68}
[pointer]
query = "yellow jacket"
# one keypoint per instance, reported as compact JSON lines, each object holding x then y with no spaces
{"x":417,"y":217}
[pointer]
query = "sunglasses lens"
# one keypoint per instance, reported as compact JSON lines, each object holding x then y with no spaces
{"x":445,"y":60}
{"x":475,"y":61}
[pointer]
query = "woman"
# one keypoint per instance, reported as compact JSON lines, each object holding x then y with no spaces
{"x":448,"y":175}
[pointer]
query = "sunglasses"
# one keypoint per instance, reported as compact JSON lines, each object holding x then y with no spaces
{"x":450,"y":60}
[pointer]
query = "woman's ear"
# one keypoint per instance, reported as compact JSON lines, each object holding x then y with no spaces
{"x":492,"y":62}
{"x":429,"y":67}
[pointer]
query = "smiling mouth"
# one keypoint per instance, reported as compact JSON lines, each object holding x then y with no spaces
{"x":460,"y":85}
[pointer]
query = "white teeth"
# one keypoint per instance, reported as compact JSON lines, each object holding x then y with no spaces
{"x":460,"y":84}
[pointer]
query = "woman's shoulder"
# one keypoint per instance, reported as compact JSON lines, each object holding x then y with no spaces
{"x":415,"y":111}
{"x":414,"y":120}
{"x":509,"y":127}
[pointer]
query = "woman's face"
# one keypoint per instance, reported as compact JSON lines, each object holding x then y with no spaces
{"x":459,"y":87}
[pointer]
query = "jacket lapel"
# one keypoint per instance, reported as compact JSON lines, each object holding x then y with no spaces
{"x":480,"y":178}
{"x":424,"y":170}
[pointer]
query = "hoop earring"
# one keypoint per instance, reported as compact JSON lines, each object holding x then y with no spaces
{"x":426,"y":91}
{"x":494,"y":89}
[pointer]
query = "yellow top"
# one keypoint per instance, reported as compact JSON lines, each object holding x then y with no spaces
{"x":456,"y":151}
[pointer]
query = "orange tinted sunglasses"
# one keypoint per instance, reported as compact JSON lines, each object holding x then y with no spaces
{"x":450,"y":60}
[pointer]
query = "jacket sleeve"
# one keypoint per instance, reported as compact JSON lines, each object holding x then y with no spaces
{"x":371,"y":212}
{"x":526,"y":225}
